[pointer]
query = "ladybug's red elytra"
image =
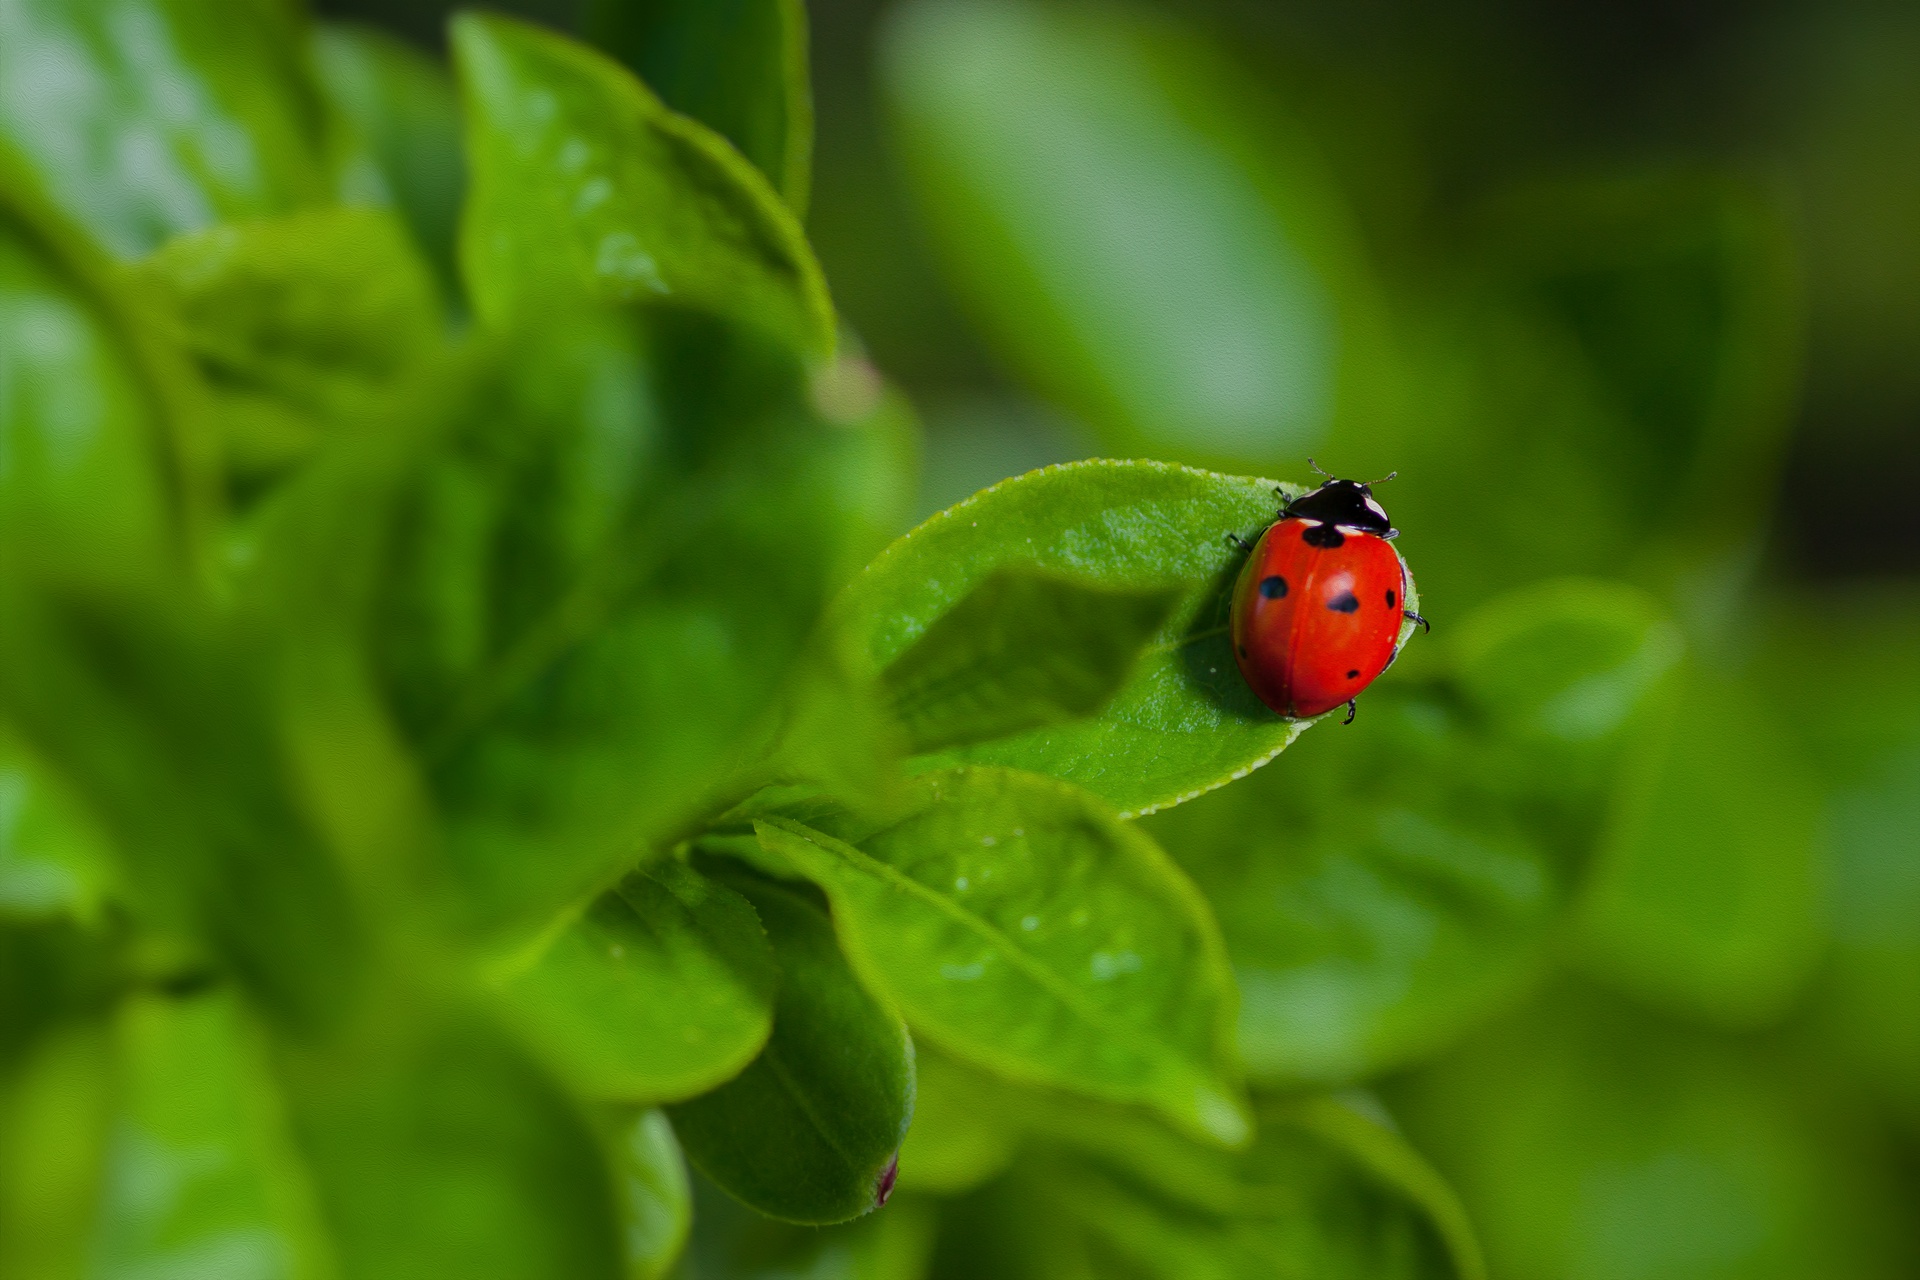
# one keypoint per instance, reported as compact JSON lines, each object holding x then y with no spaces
{"x":1319,"y":604}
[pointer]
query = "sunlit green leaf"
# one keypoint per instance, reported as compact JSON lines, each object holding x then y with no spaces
{"x":809,"y":1131}
{"x":583,"y":184}
{"x":1017,"y":925}
{"x":402,"y":107}
{"x":1022,"y":651}
{"x":1139,"y":234}
{"x":739,"y":66}
{"x":661,"y":990}
{"x":152,"y":117}
{"x":1185,"y":722}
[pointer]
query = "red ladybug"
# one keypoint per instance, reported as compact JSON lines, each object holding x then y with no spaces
{"x":1318,"y":607}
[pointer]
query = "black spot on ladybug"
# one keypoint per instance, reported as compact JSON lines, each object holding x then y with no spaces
{"x":1273,"y":588}
{"x":1353,"y":675}
{"x":1389,"y":599}
{"x":1345,"y":602}
{"x":1324,"y":536}
{"x":1243,"y":651}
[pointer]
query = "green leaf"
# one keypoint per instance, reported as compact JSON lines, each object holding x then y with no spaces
{"x":734,"y":1242}
{"x":1134,"y":229}
{"x":809,"y":1132}
{"x":963,"y":1134}
{"x":158,"y":716}
{"x":56,"y":1101}
{"x":201,"y":1173}
{"x":738,"y":66}
{"x":604,"y":560}
{"x":299,"y":325}
{"x":54,"y":858}
{"x":1300,"y":1201}
{"x":84,"y":427}
{"x":1706,"y":895}
{"x":1327,"y":1187}
{"x":1389,"y":885}
{"x":656,"y":1195}
{"x":583,"y":184}
{"x":1019,"y":926}
{"x":437,"y":1148}
{"x":662,"y":990}
{"x":1022,"y":651}
{"x":1587,"y":1138}
{"x":402,"y":106}
{"x":146,"y":119}
{"x":1186,"y":722}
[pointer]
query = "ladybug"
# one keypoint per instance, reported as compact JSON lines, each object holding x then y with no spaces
{"x":1318,"y":607}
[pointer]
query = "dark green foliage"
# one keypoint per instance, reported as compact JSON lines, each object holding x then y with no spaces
{"x":739,"y":66}
{"x":808,"y":1131}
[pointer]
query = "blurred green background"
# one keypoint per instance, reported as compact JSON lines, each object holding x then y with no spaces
{"x":1629,"y":296}
{"x":1625,"y":291}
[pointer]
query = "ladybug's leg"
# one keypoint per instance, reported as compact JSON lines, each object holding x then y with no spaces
{"x":1240,"y":542}
{"x":1353,"y":705}
{"x":1422,"y":621}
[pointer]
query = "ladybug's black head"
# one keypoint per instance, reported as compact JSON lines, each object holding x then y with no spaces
{"x":1346,"y":504}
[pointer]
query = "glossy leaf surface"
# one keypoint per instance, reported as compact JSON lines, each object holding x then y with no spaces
{"x":1022,"y":651}
{"x":738,"y":66}
{"x":1017,"y":925}
{"x":1185,"y":722}
{"x":809,"y":1131}
{"x":585,"y":185}
{"x":145,"y":119}
{"x":661,"y":990}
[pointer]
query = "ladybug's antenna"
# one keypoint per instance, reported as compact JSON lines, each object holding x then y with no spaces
{"x":1382,"y":480}
{"x":1317,"y":471}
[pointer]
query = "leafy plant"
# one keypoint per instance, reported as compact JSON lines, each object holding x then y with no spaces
{"x":488,"y":789}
